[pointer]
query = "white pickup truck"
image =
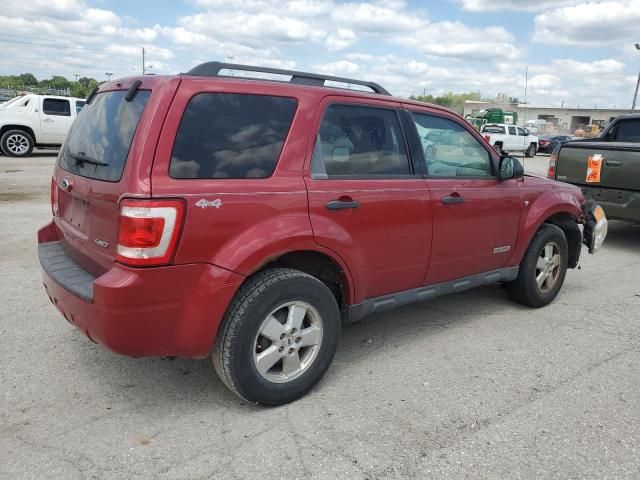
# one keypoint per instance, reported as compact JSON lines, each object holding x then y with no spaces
{"x":33,"y":120}
{"x":510,"y":138}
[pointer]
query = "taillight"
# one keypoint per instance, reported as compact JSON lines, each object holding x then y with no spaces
{"x":54,"y":197}
{"x":149,"y":230}
{"x":552,"y":166}
{"x":544,"y":143}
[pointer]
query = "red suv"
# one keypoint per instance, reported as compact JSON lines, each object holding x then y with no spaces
{"x":247,"y":218}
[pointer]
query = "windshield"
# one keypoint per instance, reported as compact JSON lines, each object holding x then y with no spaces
{"x":98,"y":142}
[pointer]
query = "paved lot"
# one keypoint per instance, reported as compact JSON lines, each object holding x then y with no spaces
{"x":467,"y":386}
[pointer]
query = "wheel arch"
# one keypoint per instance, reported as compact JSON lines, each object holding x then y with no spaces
{"x":325,"y":266}
{"x":24,"y":128}
{"x":557,"y":208}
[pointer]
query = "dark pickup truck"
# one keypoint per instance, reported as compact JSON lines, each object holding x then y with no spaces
{"x":606,"y":168}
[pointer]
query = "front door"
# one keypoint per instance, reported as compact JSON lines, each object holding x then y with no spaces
{"x":475,"y":216}
{"x":365,"y":201}
{"x":55,"y":120}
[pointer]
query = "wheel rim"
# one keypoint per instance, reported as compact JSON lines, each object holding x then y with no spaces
{"x":17,"y":144}
{"x":287,"y":342}
{"x":548,"y":267}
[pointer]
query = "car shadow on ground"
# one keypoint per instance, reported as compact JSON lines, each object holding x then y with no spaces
{"x":163,"y":382}
{"x":622,"y":235}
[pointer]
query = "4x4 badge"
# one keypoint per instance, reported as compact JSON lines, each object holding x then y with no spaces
{"x":202,"y":203}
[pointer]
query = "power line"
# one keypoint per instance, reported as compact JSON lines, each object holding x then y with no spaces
{"x":50,"y":45}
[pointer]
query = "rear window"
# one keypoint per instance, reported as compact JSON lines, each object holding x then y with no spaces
{"x":229,"y":135}
{"x":493,"y":129}
{"x":102,"y":134}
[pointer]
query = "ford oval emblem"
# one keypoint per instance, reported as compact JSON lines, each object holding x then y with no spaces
{"x":66,"y":184}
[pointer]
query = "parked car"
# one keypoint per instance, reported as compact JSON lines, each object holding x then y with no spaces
{"x":548,"y":143}
{"x":32,"y":120}
{"x":510,"y":138}
{"x":245,"y":219}
{"x":607,"y":168}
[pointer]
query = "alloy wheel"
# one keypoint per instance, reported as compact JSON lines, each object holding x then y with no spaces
{"x":287,"y":342}
{"x":548,"y":267}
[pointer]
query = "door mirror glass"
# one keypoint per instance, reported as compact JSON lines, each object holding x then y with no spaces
{"x":510,"y":168}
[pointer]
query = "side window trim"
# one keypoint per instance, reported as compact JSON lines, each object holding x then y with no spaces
{"x":492,"y":163}
{"x":318,"y":175}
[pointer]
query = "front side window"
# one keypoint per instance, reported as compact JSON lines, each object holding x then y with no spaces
{"x":56,"y":106}
{"x":360,"y":141}
{"x":230,"y":135}
{"x":522,"y":132}
{"x":449,"y":149}
{"x":512,"y":131}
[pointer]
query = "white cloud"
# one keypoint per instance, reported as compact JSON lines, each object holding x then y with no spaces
{"x":341,"y":39}
{"x":497,"y":5}
{"x":589,"y":24}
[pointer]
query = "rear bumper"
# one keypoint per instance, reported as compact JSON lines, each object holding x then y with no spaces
{"x":617,"y":204}
{"x":173,"y":310}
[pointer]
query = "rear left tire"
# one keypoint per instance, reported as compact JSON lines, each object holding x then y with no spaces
{"x":531,"y":151}
{"x":278,"y":337}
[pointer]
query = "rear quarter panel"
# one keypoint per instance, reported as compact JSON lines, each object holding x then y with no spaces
{"x":258,"y":219}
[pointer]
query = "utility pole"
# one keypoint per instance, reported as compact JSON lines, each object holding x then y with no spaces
{"x":635,"y":95}
{"x":76,"y":75}
{"x":108,"y":74}
{"x":143,"y":67}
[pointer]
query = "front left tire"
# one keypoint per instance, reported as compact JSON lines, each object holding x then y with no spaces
{"x":543,"y":268}
{"x":278,"y":337}
{"x":16,"y":143}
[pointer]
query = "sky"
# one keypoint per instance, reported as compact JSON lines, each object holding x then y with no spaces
{"x":574,"y":52}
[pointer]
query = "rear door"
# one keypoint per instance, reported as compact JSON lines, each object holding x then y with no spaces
{"x":366,"y":201}
{"x":476,"y":217}
{"x":55,"y":119}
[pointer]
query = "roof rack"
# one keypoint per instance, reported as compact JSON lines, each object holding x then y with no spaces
{"x":212,"y":69}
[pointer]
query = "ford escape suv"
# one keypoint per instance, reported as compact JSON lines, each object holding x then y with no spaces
{"x":246,"y":218}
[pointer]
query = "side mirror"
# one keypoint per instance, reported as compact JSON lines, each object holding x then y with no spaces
{"x":509,"y":168}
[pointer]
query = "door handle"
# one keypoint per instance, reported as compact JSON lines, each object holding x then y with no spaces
{"x":342,"y":204}
{"x":452,"y":199}
{"x":613,"y":163}
{"x":47,"y":120}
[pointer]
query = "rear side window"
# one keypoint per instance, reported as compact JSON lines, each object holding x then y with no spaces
{"x":360,"y":141}
{"x":229,"y":135}
{"x":493,"y":129}
{"x":99,"y":139}
{"x":628,"y":131}
{"x":56,"y":106}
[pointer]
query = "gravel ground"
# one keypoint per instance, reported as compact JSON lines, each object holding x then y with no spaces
{"x":466,"y":386}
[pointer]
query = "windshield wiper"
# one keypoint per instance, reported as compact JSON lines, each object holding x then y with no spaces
{"x":81,"y":157}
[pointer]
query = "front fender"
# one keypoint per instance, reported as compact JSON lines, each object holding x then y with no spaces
{"x":539,"y":210}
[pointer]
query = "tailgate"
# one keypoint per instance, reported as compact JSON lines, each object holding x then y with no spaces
{"x":98,"y":164}
{"x":600,"y":164}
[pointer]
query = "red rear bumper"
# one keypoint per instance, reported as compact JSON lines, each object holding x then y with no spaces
{"x":172,"y":310}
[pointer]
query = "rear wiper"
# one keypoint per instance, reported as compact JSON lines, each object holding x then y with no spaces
{"x":81,"y":157}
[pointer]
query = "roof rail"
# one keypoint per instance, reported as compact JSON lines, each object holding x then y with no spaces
{"x":212,"y":69}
